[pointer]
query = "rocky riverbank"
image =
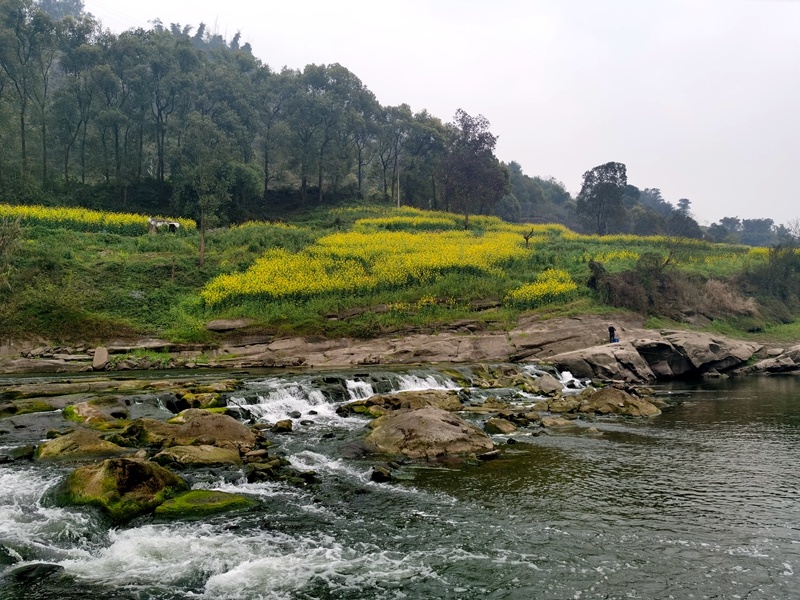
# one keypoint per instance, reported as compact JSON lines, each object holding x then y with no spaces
{"x":139,"y":439}
{"x":577,"y":344}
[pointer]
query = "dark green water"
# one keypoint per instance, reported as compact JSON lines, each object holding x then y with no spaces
{"x":700,"y":502}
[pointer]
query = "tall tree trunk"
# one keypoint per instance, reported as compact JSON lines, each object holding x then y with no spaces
{"x":266,"y":171}
{"x":202,"y":238}
{"x":44,"y":152}
{"x":319,"y":183}
{"x":360,"y":175}
{"x":83,"y":154}
{"x":22,"y":139}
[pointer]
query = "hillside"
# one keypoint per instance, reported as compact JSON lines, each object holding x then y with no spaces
{"x":366,"y":271}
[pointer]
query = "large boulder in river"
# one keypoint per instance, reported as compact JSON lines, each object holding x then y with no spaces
{"x":122,"y":487}
{"x":618,"y":402}
{"x":427,"y":433}
{"x":194,"y":427}
{"x":198,"y":456}
{"x":81,"y":444}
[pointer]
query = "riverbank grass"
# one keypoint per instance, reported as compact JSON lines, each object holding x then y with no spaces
{"x":350,"y":271}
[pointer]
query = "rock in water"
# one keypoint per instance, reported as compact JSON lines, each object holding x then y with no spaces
{"x":80,"y":444}
{"x":123,"y":487}
{"x":499,"y":425}
{"x":202,"y":455}
{"x":427,"y":433}
{"x":199,"y":503}
{"x":613,"y":401}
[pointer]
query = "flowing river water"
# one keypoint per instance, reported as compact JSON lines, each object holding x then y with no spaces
{"x":699,"y":502}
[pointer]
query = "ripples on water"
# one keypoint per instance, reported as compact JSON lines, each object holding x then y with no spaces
{"x":701,"y":502}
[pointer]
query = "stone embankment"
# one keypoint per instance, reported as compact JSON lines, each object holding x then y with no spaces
{"x":577,"y":344}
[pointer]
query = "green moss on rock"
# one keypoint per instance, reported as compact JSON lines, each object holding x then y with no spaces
{"x":200,"y":503}
{"x":123,"y":488}
{"x":77,"y":445}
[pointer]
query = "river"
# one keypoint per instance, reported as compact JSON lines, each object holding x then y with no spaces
{"x":699,"y":502}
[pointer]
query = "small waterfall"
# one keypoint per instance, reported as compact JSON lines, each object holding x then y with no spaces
{"x":359,"y":390}
{"x":315,"y":398}
{"x":412,"y":382}
{"x":570,"y":383}
{"x":277,"y":399}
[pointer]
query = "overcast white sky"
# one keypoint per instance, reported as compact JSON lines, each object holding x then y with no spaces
{"x":700,"y":98}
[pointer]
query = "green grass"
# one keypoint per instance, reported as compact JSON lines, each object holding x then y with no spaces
{"x":74,"y":286}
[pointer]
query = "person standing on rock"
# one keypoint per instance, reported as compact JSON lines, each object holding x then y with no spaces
{"x":612,"y":334}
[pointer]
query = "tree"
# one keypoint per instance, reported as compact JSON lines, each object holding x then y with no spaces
{"x":59,"y":9}
{"x":757,"y":232}
{"x":26,"y":54}
{"x":599,"y":202}
{"x":202,"y":184}
{"x":474,"y":179}
{"x":420,"y":159}
{"x":681,"y":224}
{"x":273,"y":95}
{"x":396,"y":123}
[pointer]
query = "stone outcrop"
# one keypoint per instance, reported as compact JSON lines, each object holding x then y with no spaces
{"x":427,"y":433}
{"x":100,"y":358}
{"x":657,"y":356}
{"x":577,"y":344}
{"x":784,"y":361}
{"x":610,"y":361}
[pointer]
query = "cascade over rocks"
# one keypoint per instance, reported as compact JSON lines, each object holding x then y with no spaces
{"x":406,"y":400}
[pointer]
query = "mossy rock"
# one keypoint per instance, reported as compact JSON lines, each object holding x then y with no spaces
{"x":200,"y":503}
{"x":124,"y":488}
{"x":224,"y":385}
{"x":207,"y":400}
{"x":35,"y":405}
{"x":98,"y":411}
{"x":203,"y":455}
{"x":79,"y":445}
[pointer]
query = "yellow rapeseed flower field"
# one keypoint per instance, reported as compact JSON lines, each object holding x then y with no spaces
{"x":83,"y":219}
{"x":356,"y":261}
{"x":550,"y":286}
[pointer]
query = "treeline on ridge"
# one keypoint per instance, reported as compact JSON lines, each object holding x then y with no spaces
{"x":178,"y":120}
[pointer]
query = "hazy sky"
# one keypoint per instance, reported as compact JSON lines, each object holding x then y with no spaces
{"x":700,"y":98}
